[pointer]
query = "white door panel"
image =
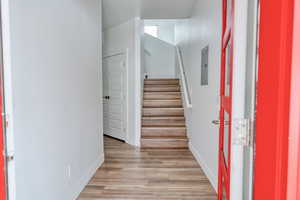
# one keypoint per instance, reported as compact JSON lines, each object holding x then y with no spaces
{"x":114,"y":92}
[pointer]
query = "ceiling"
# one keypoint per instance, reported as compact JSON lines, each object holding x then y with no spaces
{"x":166,"y":9}
{"x":116,"y":12}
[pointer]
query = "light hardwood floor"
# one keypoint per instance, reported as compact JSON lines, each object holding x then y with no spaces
{"x":130,"y":173}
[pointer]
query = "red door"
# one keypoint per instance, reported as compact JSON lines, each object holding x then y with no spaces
{"x":226,"y":98}
{"x":293,"y":191}
{"x":274,"y":99}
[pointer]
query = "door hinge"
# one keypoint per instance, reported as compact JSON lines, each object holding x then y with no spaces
{"x":9,"y":156}
{"x":5,"y":119}
{"x":242,"y":134}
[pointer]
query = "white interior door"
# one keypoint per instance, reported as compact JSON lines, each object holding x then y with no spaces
{"x":114,"y":100}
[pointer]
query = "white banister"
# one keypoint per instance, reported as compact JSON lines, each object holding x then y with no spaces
{"x":184,"y":82}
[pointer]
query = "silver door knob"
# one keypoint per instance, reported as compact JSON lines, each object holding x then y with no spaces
{"x":218,"y":122}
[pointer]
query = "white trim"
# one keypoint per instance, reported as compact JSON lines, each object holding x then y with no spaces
{"x":138,"y":77}
{"x":127,"y":96}
{"x":255,"y":16}
{"x":238,"y":96}
{"x":85,"y":179}
{"x":213,"y":178}
{"x":8,"y":95}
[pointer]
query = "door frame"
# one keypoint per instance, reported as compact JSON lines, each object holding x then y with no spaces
{"x":273,"y":100}
{"x":234,"y":104}
{"x":126,"y":113}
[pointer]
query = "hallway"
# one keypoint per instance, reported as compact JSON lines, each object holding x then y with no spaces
{"x":130,"y":173}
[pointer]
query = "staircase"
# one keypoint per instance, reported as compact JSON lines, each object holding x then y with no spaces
{"x":163,"y":124}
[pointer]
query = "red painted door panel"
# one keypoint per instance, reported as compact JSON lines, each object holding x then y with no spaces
{"x":294,"y":135}
{"x":226,"y":98}
{"x":273,"y":102}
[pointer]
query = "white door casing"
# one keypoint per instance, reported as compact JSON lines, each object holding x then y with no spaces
{"x":114,"y":96}
{"x":250,"y":105}
{"x":8,"y":95}
{"x":238,"y":98}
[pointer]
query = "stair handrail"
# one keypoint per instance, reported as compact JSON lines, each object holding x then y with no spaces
{"x":184,"y":82}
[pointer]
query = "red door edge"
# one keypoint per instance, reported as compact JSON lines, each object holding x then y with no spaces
{"x":2,"y":151}
{"x":3,"y":186}
{"x":293,"y":187}
{"x":273,"y":103}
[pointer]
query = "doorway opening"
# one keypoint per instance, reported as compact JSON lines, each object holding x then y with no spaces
{"x":185,"y":90}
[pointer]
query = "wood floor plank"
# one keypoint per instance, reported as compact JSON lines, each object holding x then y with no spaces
{"x":131,"y":173}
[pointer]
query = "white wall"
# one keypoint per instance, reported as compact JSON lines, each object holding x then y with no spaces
{"x":167,"y":33}
{"x":166,"y":29}
{"x":55,"y":110}
{"x":204,"y":28}
{"x":159,"y":58}
{"x":166,"y":9}
{"x":118,"y":39}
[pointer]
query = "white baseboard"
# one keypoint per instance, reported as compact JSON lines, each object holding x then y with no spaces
{"x":85,"y":179}
{"x":213,"y":178}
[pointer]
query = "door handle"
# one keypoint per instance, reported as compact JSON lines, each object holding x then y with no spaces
{"x":218,"y":122}
{"x":106,"y":97}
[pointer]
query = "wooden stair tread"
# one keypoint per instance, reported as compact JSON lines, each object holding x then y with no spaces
{"x":162,"y":117}
{"x":164,"y":128}
{"x":163,"y":121}
{"x":162,"y":95}
{"x":165,"y":143}
{"x":155,"y":112}
{"x":161,"y":85}
{"x":162,"y":82}
{"x":164,"y":132}
{"x":164,"y":100}
{"x":162,"y":89}
{"x":168,"y":118}
{"x":162,"y":125}
{"x":162,"y":103}
{"x":165,"y":137}
{"x":161,"y":79}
